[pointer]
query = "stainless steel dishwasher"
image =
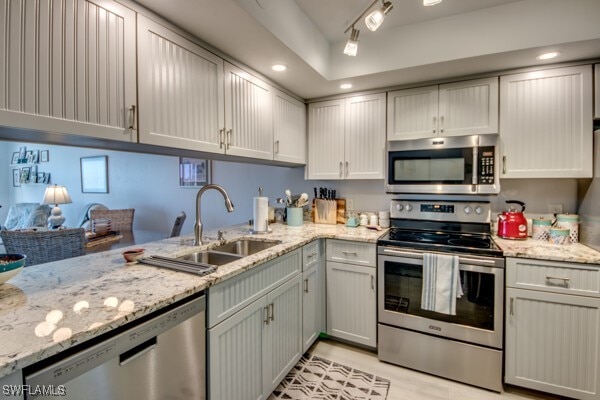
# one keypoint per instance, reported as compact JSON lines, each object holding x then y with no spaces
{"x":161,"y":358}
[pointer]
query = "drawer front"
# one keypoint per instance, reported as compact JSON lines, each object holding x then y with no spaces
{"x":352,"y":252}
{"x":230,"y":296}
{"x":311,"y":254}
{"x":552,"y":276}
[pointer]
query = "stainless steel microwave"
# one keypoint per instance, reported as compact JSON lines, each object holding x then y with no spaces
{"x":450,"y":165}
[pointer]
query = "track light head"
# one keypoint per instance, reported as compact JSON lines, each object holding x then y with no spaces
{"x":375,"y":18}
{"x":352,"y":43}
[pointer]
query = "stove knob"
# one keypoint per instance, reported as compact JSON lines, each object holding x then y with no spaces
{"x":399,"y":207}
{"x":478,"y":210}
{"x":408,"y":207}
{"x":468,"y":210}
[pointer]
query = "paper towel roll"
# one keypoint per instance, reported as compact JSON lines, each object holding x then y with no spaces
{"x":261,"y":213}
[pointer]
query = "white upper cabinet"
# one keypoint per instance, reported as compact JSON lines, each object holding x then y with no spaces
{"x":346,"y":138}
{"x":452,"y":109}
{"x":181,"y":91}
{"x":546,"y":123}
{"x":364,"y":143}
{"x":597,"y":90}
{"x":248,"y":115}
{"x":413,"y":113}
{"x":326,"y":139}
{"x":289,"y":128}
{"x":68,"y":66}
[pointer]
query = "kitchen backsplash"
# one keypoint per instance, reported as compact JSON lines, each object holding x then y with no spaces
{"x":537,"y":194}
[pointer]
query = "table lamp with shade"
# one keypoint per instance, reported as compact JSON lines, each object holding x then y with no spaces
{"x":56,"y":195}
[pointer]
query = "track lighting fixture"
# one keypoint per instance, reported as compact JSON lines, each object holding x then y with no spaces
{"x":375,"y":18}
{"x":373,"y":21}
{"x":352,"y":43}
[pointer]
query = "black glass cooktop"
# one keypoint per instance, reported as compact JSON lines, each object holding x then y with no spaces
{"x":476,"y":243}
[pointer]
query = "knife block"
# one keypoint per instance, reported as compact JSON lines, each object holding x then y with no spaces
{"x":329,"y":211}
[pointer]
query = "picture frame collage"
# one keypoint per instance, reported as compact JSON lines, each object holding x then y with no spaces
{"x":28,"y":161}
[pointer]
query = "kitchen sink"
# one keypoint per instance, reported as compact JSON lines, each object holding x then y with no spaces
{"x":245,"y":247}
{"x":209,"y":257}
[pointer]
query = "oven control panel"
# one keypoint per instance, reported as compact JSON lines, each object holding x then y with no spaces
{"x":434,"y":210}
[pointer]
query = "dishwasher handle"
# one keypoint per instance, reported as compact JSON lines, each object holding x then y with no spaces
{"x":138,"y":351}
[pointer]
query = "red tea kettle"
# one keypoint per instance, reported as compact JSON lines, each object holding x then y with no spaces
{"x":512,"y":224}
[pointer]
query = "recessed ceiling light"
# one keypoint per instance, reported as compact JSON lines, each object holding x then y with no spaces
{"x":279,"y":67}
{"x":346,"y":86}
{"x":548,"y":56}
{"x":428,"y":3}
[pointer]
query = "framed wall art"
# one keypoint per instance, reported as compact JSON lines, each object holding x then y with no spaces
{"x":16,"y":177}
{"x":194,"y":172}
{"x":94,"y":174}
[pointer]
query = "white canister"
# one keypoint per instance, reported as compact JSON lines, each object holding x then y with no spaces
{"x":570,"y":222}
{"x":384,"y":223}
{"x":384,"y":215}
{"x":373,"y":220}
{"x":541,"y":229}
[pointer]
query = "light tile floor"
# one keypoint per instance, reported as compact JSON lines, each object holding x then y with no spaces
{"x":407,"y":384}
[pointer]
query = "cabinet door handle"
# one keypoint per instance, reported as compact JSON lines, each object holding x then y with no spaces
{"x":228,"y":139}
{"x":306,"y":285}
{"x":277,"y":146}
{"x":442,"y":124}
{"x":372,"y":282}
{"x":503,"y":164}
{"x":434,"y":127}
{"x":271,"y":312}
{"x":341,"y":169}
{"x":132,"y":117}
{"x":221,"y":138}
{"x":266,"y":320}
{"x":350,"y":253}
{"x":347,"y":168}
{"x":558,"y":278}
{"x":512,"y":311}
{"x":311,"y":255}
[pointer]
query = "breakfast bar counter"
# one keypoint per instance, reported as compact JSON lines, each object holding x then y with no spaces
{"x":51,"y":307}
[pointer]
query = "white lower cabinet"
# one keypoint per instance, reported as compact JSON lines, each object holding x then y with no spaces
{"x":552,"y":338}
{"x":251,"y":350}
{"x":313,"y":295}
{"x":351,"y":303}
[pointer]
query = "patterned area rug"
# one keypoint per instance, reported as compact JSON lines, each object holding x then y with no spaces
{"x":317,"y":378}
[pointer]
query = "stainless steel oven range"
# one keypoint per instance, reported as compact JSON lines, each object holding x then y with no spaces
{"x":466,"y":347}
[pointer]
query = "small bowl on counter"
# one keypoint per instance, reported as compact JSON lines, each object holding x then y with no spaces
{"x":133,"y":254}
{"x":11,"y":265}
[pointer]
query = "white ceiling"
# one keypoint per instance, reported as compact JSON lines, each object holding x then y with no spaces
{"x":414,"y":44}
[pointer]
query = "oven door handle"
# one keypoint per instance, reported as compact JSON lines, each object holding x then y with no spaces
{"x":401,"y":253}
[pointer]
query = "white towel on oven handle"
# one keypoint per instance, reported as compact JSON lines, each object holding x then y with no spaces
{"x":441,"y":283}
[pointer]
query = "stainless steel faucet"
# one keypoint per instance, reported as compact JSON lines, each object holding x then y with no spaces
{"x":198,"y":224}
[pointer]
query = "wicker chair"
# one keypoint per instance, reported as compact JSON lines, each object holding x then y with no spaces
{"x":120,"y":220}
{"x":45,"y":246}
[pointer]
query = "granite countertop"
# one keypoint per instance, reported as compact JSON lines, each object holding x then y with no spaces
{"x":541,"y":250}
{"x":51,"y":307}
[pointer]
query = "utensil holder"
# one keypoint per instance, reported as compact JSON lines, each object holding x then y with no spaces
{"x":295,"y":216}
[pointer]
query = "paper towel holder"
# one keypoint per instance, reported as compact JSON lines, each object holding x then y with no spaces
{"x":253,"y":232}
{"x":251,"y":222}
